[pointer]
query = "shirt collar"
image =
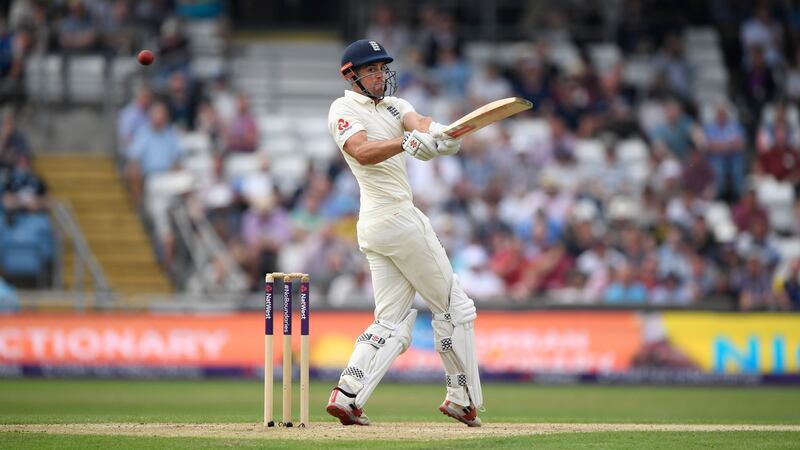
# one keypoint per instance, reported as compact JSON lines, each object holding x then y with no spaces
{"x":360,"y":98}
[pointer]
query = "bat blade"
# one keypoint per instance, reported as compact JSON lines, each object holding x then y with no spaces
{"x":487,"y":115}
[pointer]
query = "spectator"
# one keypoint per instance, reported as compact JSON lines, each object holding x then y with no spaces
{"x":678,"y":134}
{"x":726,"y":146}
{"x":29,"y":189}
{"x":14,"y":47}
{"x":597,"y":263}
{"x":701,"y":239}
{"x":763,"y":31}
{"x":760,"y":85}
{"x":437,"y":31}
{"x":671,"y":292}
{"x":265,"y":227}
{"x":757,"y":242}
{"x":573,"y":291}
{"x":671,"y":65}
{"x":702,"y":279}
{"x":222,"y":98}
{"x":78,"y":32}
{"x":119,"y":33}
{"x":672,"y":253}
{"x":531,"y":81}
{"x":155,"y":149}
{"x":173,"y":49}
{"x":478,"y":281}
{"x":698,"y":176}
{"x":778,"y":116}
{"x":182,"y":100}
{"x":488,"y":85}
{"x":754,"y":286}
{"x":242,"y":133}
{"x":451,"y":74}
{"x":132,"y":118}
{"x":625,"y":288}
{"x":351,"y":290}
{"x":781,"y":160}
{"x":748,"y":210}
{"x":13,"y":143}
{"x":209,"y":123}
{"x":789,"y":287}
{"x":385,"y":28}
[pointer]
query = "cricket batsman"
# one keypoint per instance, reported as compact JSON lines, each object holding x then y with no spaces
{"x":376,"y":132}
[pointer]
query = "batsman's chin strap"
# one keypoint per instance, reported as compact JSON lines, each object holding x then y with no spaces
{"x":350,"y":75}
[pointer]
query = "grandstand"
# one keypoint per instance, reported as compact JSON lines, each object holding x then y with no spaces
{"x":660,"y":166}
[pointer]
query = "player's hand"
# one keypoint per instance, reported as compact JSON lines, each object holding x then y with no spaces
{"x":419,"y":145}
{"x":436,"y":130}
{"x":448,"y":146}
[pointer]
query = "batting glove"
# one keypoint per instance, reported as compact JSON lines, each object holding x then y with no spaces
{"x":419,"y":145}
{"x":448,"y":146}
{"x":436,"y":130}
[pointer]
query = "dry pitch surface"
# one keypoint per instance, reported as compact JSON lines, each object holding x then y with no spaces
{"x":421,"y":431}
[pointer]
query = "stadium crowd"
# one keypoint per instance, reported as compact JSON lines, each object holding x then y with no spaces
{"x":608,"y":192}
{"x":522,"y":212}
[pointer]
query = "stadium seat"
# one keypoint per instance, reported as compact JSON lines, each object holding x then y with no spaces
{"x":789,"y":248}
{"x":633,"y":151}
{"x":122,"y":70}
{"x":564,"y":54}
{"x":479,"y":53}
{"x":22,"y":254}
{"x":793,"y":83}
{"x":639,"y":72}
{"x":278,"y":145}
{"x":205,"y":37}
{"x":700,"y":36}
{"x":160,"y":190}
{"x":86,"y":78}
{"x":239,"y":165}
{"x":605,"y":55}
{"x":207,"y":67}
{"x":289,"y":172}
{"x":589,"y":152}
{"x":320,"y":149}
{"x":778,"y":198}
{"x":196,"y":143}
{"x":526,"y":133}
{"x":718,"y":217}
{"x":201,"y":166}
{"x":314,"y":127}
{"x":43,"y":77}
{"x":272,"y":125}
{"x":792,"y":115}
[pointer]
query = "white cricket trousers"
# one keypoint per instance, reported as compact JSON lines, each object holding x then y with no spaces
{"x":405,"y":257}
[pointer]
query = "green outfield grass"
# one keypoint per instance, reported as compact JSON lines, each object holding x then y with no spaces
{"x":110,"y":401}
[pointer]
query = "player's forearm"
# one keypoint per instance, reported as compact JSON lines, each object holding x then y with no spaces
{"x":374,"y":152}
{"x":414,"y":121}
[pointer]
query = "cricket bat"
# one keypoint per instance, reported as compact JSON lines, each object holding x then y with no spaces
{"x":487,"y":115}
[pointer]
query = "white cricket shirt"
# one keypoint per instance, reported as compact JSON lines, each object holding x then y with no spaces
{"x":385,"y":185}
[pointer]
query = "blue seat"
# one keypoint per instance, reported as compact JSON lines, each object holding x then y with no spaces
{"x":22,"y":251}
{"x":21,"y":259}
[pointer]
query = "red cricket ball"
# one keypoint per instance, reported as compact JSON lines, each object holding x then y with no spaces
{"x":146,"y":57}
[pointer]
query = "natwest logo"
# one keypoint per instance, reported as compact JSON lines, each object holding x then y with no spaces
{"x":342,"y":124}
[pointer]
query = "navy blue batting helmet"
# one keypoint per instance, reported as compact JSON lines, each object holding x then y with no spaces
{"x":363,"y":52}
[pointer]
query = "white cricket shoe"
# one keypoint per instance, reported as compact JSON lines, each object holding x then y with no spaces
{"x":465,"y":414}
{"x":342,"y":407}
